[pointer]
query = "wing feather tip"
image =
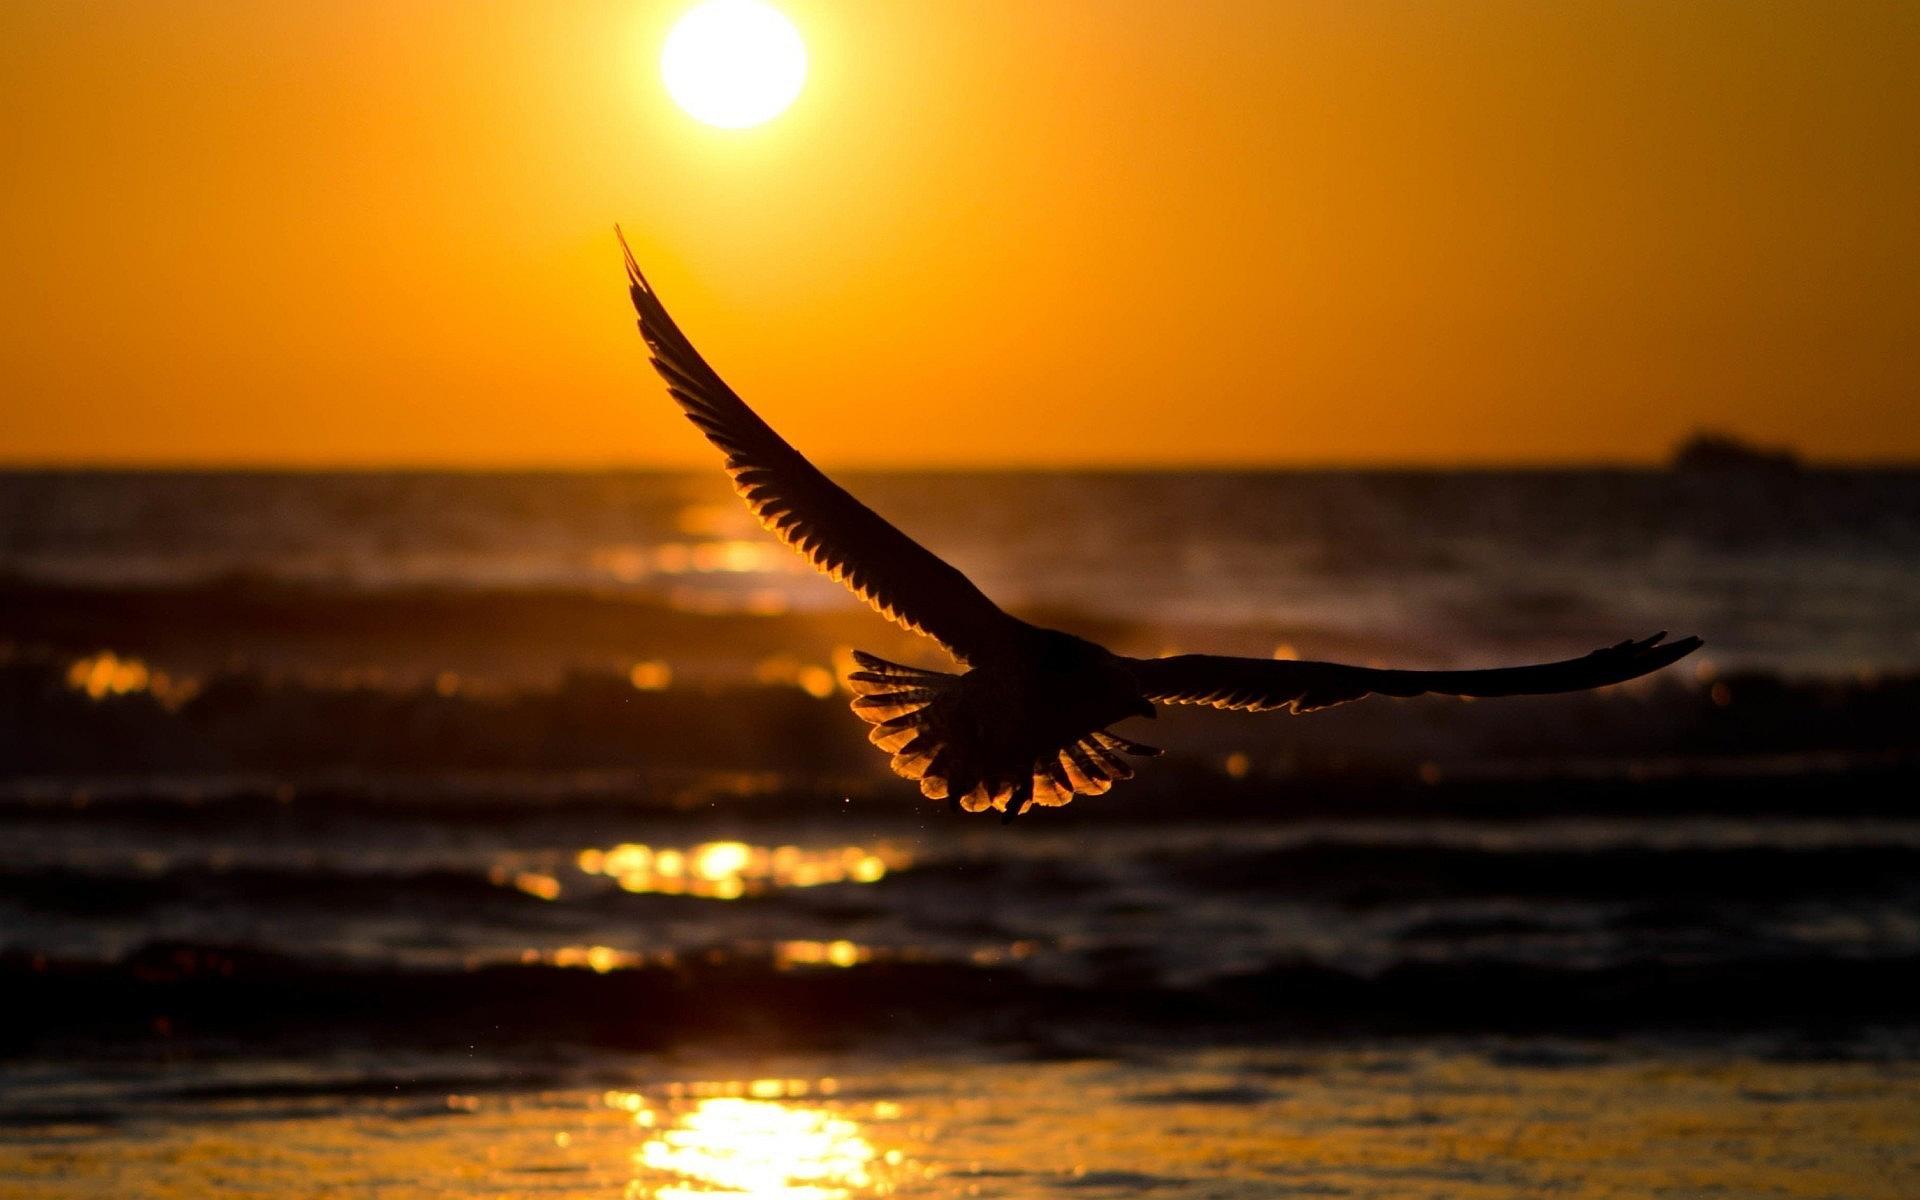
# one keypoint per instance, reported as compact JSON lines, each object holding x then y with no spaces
{"x":634,"y":275}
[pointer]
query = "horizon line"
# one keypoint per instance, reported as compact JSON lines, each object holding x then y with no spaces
{"x":567,"y":467}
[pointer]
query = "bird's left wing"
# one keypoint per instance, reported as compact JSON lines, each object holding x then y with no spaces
{"x":841,"y":537}
{"x":1260,"y":684}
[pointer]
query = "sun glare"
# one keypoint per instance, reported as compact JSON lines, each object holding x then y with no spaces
{"x":734,"y":63}
{"x":736,"y":1146}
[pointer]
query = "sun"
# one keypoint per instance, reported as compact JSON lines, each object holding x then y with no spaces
{"x":734,"y":63}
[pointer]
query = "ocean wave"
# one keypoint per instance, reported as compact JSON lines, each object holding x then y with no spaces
{"x":1362,"y":874}
{"x":171,"y":993}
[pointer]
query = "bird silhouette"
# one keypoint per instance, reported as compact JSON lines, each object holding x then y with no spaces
{"x":1026,"y":722}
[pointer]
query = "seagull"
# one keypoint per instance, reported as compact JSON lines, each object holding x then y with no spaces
{"x":1025,"y":722}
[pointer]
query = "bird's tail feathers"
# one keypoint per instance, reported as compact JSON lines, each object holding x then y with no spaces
{"x":902,"y":705}
{"x":885,"y":691}
{"x":923,"y":719}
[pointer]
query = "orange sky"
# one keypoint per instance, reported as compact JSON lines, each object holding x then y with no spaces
{"x":989,"y":231}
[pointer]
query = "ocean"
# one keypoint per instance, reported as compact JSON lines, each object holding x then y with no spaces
{"x":1809,"y":572}
{"x":394,"y":834}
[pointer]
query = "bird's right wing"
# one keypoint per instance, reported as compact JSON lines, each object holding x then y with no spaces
{"x":1260,"y":684}
{"x":841,"y":537}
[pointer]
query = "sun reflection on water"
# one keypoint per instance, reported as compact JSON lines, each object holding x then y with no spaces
{"x":747,"y":1138}
{"x":598,"y":959}
{"x":839,"y":953}
{"x":630,"y":563}
{"x":730,"y":870}
{"x":105,"y":675}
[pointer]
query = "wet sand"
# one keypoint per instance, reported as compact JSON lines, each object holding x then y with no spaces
{"x":1405,"y":1120}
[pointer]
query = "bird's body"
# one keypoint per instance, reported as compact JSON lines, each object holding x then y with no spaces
{"x":1019,"y":728}
{"x":1027,"y":722}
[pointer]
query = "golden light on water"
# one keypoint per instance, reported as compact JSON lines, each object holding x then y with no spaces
{"x":784,"y":956}
{"x":106,"y":674}
{"x":730,"y":870}
{"x":701,"y":565}
{"x":747,"y":1138}
{"x":759,"y":602}
{"x":713,"y":520}
{"x":839,"y":953}
{"x":650,"y":676}
{"x":536,"y":884}
{"x":783,"y":669}
{"x":735,"y":556}
{"x":721,"y":860}
{"x":598,"y":959}
{"x":762,"y":1149}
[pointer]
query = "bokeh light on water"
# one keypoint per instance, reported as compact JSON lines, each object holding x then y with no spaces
{"x":106,"y":675}
{"x":730,"y":870}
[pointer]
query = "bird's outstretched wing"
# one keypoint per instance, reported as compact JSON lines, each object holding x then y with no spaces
{"x":841,"y":537}
{"x":1260,"y":684}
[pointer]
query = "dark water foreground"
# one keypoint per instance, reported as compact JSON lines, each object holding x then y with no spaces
{"x":694,"y":985}
{"x":295,"y":922}
{"x":442,"y":835}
